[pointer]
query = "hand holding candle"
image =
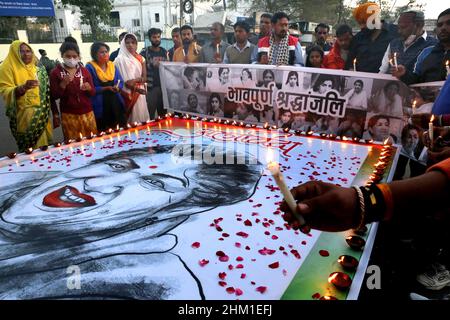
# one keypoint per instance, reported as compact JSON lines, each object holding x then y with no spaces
{"x":274,"y":169}
{"x":354,"y":64}
{"x":395,"y":61}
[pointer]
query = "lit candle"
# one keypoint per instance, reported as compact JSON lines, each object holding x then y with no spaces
{"x":167,"y":56}
{"x":447,"y":66}
{"x":118,"y":84}
{"x":430,"y":131}
{"x":395,"y":60}
{"x":217,"y":49}
{"x":274,"y":169}
{"x":354,"y":64}
{"x":184,"y":53}
{"x":414,"y":105}
{"x":81,"y":79}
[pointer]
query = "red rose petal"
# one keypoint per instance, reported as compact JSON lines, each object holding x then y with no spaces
{"x":153,"y":167}
{"x":261,"y":289}
{"x":222,"y":283}
{"x":239,"y":292}
{"x":324,"y":253}
{"x":274,"y":265}
{"x":230,"y":267}
{"x":316,"y":295}
{"x":222,"y":275}
{"x":239,"y":259}
{"x":230,"y":290}
{"x":274,"y":237}
{"x":203,"y":262}
{"x":295,"y":253}
{"x":266,"y":251}
{"x":220,"y":253}
{"x":248,"y":223}
{"x":243,"y":275}
{"x":224,"y":259}
{"x":242,"y":234}
{"x":237,"y":244}
{"x":240,"y":266}
{"x":195,"y":245}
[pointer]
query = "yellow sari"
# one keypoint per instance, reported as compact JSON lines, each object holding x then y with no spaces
{"x":29,"y":114}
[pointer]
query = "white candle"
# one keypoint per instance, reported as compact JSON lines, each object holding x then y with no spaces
{"x":395,"y":60}
{"x":354,"y":64}
{"x":81,"y":79}
{"x":167,"y":56}
{"x":118,"y":84}
{"x":430,"y":131}
{"x":447,"y":66}
{"x":274,"y":169}
{"x":217,"y":49}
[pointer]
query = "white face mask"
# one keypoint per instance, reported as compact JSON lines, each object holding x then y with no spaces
{"x":72,"y":62}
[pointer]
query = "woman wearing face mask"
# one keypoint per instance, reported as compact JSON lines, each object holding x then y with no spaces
{"x":133,"y":69}
{"x":25,"y":90}
{"x":109,"y":106}
{"x":72,"y":84}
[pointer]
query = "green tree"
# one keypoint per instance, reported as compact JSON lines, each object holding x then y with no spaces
{"x":93,"y":13}
{"x":9,"y":27}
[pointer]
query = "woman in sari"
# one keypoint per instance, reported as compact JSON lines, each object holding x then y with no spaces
{"x":26,"y":91}
{"x":132,"y":67}
{"x":109,"y":106}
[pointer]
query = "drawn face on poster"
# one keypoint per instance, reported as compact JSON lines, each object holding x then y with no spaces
{"x":89,"y":210}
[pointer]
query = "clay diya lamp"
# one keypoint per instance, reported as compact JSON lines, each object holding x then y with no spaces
{"x":348,"y":262}
{"x":340,"y":280}
{"x":356,"y":242}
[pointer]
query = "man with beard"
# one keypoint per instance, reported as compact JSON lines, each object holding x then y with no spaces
{"x":430,"y":64}
{"x":321,"y":35}
{"x":176,"y":38}
{"x":214,"y":51}
{"x":153,"y":56}
{"x":280,"y":48}
{"x":189,"y":52}
{"x":338,"y":55}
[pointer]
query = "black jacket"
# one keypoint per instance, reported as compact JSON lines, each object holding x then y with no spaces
{"x":369,"y":54}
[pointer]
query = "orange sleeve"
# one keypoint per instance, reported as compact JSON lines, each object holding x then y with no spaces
{"x":443,"y":166}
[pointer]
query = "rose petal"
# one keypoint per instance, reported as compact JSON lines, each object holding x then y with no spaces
{"x":239,"y":259}
{"x":222,"y":275}
{"x":230,"y":290}
{"x":222,"y":283}
{"x":224,"y":259}
{"x":195,"y":245}
{"x":239,"y":292}
{"x":220,"y":253}
{"x":248,"y":223}
{"x":274,"y":265}
{"x":237,"y":244}
{"x":324,"y":253}
{"x":239,"y":266}
{"x":203,"y":262}
{"x":243,"y":275}
{"x":242,"y":234}
{"x":261,"y":289}
{"x":295,"y":253}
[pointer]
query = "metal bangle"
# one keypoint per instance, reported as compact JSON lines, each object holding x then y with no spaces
{"x":362,"y":207}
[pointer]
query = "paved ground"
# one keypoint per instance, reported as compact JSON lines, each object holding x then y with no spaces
{"x":7,"y":142}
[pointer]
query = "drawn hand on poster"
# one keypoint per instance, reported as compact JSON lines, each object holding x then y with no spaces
{"x":85,"y":217}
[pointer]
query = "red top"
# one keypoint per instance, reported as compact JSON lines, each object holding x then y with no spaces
{"x":72,"y":99}
{"x":333,"y":59}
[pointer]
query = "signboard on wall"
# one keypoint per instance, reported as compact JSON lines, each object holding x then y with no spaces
{"x":28,"y":8}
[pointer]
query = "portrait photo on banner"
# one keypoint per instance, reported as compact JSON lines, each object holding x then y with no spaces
{"x":244,"y":77}
{"x":218,"y":79}
{"x":194,"y":78}
{"x":388,"y":98}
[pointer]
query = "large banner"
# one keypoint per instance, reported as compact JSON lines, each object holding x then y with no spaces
{"x":32,"y":8}
{"x":352,"y":104}
{"x":344,"y":103}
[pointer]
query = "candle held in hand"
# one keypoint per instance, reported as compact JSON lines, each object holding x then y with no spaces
{"x":430,"y":132}
{"x":274,"y":169}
